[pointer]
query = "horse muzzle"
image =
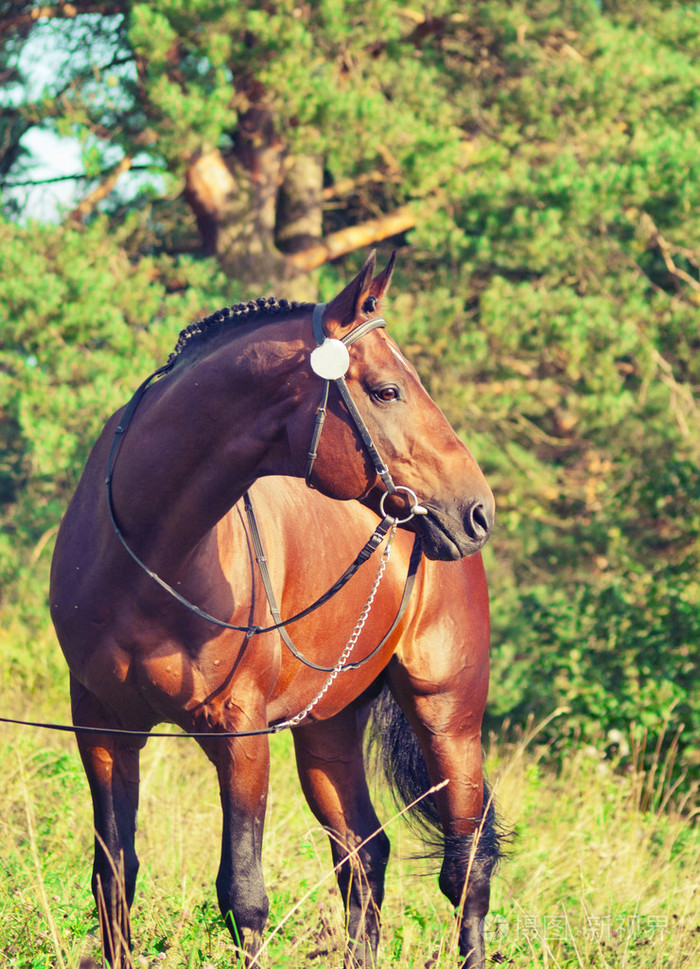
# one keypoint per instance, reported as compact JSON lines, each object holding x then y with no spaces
{"x":449,"y":535}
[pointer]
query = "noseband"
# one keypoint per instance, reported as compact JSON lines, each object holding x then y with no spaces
{"x":330,"y":360}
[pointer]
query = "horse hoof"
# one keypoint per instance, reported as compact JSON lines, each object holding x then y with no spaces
{"x":252,"y":942}
{"x":360,"y":955}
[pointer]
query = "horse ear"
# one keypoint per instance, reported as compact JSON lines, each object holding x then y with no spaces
{"x":346,"y":306}
{"x":380,"y":283}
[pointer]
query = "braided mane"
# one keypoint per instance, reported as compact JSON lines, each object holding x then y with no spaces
{"x":237,"y":314}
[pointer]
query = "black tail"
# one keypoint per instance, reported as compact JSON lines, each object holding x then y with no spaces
{"x":397,"y":751}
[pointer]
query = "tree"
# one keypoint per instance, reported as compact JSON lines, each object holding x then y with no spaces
{"x":544,"y":156}
{"x":252,"y":116}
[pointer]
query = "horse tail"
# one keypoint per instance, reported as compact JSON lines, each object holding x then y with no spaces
{"x":395,"y":749}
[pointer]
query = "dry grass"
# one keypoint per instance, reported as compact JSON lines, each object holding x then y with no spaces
{"x":604,"y":868}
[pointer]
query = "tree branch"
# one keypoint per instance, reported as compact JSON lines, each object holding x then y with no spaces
{"x":667,"y":250}
{"x":348,"y":186}
{"x":91,"y":200}
{"x":75,"y":177}
{"x":45,"y":181}
{"x":64,"y":10}
{"x":354,"y":237}
{"x":209,"y":185}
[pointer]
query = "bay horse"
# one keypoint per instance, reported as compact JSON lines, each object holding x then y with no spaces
{"x":315,"y":392}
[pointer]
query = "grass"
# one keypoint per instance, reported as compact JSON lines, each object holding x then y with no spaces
{"x":604,"y":867}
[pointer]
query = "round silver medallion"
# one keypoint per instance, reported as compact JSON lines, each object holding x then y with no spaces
{"x":330,"y":360}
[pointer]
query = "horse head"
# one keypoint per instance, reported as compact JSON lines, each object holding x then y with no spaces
{"x":424,"y":460}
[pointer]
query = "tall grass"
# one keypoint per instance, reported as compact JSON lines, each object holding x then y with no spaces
{"x":604,"y":867}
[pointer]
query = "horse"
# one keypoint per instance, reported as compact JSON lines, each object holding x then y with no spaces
{"x":156,"y":600}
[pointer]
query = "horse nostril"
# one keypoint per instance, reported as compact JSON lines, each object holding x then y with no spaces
{"x":478,"y":521}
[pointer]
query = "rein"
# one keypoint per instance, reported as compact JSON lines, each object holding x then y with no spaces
{"x":363,"y":555}
{"x":341,"y":666}
{"x":330,"y":363}
{"x":414,"y":562}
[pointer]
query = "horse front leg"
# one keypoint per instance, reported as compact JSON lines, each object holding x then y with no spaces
{"x":243,"y":768}
{"x":332,"y":774}
{"x":439,"y":677}
{"x":470,"y":849}
{"x":112,"y":768}
{"x":446,"y":725}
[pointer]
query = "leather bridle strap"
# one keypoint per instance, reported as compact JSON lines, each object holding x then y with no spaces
{"x":362,"y":556}
{"x":379,"y":466}
{"x":316,"y":436}
{"x":261,"y":558}
{"x":352,"y":337}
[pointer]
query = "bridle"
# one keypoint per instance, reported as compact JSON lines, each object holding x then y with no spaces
{"x":324,"y":363}
{"x":330,"y":362}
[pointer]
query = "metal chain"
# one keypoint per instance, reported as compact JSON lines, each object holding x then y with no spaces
{"x":351,"y":643}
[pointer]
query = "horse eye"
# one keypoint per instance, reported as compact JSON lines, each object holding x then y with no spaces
{"x":386,"y":394}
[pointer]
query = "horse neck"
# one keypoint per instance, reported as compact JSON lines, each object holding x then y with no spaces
{"x":204,"y":433}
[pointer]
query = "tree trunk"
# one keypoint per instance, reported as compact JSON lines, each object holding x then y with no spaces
{"x":300,"y":219}
{"x":261,"y":215}
{"x":254,"y":209}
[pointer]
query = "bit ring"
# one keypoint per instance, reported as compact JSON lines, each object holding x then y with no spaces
{"x":414,"y":508}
